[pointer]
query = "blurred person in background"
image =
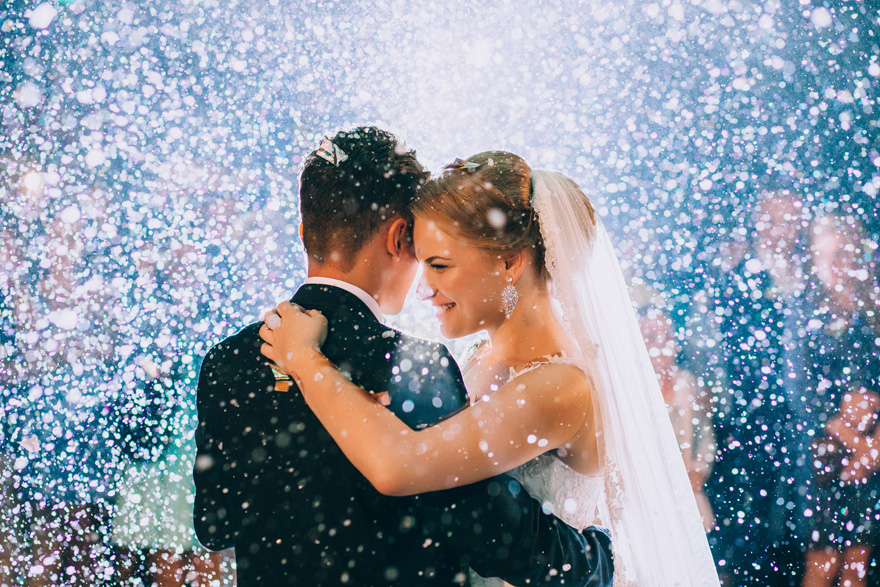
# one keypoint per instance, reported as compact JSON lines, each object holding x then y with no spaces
{"x":12,"y":518}
{"x":843,"y":332}
{"x":64,"y":476}
{"x":153,"y":526}
{"x":90,"y":405}
{"x":687,"y":403}
{"x":755,"y":314}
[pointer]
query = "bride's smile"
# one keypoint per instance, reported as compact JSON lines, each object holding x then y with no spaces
{"x":443,"y":309}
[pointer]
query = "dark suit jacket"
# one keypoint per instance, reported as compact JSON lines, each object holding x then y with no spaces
{"x":271,"y":482}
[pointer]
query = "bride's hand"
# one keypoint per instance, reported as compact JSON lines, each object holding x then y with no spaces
{"x":294,"y":338}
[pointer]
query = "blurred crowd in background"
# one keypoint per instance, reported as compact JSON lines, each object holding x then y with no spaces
{"x":771,"y":380}
{"x":148,"y":163}
{"x":106,"y":314}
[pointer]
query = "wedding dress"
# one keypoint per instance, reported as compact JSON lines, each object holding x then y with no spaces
{"x":571,"y":496}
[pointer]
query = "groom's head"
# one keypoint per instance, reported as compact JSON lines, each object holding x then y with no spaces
{"x":355,"y":202}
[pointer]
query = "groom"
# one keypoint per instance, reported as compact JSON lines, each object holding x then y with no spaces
{"x":272,"y":483}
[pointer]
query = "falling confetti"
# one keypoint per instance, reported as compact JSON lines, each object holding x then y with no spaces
{"x":149,"y":155}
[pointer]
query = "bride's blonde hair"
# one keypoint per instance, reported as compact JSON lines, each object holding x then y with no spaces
{"x":486,"y":201}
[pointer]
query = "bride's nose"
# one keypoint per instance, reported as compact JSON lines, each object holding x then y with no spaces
{"x":424,"y":291}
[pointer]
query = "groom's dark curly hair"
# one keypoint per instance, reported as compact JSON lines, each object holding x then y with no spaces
{"x":344,"y":204}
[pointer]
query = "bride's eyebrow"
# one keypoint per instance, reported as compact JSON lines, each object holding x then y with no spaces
{"x":436,"y":258}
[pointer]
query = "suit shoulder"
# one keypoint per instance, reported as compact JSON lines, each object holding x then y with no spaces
{"x":425,"y":384}
{"x":409,"y":343}
{"x":244,"y":338}
{"x":421,"y":351}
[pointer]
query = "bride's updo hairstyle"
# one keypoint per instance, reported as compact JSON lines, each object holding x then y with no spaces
{"x":486,"y":201}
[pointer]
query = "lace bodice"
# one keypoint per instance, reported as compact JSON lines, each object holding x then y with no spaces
{"x":571,"y":496}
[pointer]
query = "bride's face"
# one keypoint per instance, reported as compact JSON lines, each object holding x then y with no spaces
{"x":463,"y":282}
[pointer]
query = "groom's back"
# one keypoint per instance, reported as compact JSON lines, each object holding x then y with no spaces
{"x":272,"y":481}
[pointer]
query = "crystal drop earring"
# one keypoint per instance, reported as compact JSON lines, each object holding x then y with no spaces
{"x":509,"y":297}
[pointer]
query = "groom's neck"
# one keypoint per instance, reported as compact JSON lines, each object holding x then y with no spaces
{"x":360,"y":276}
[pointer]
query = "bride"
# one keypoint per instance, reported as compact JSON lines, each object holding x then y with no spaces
{"x":562,"y":394}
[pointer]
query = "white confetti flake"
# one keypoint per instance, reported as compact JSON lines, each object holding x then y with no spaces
{"x":28,"y":95}
{"x":65,"y":318}
{"x":95,"y":157}
{"x":821,"y":17}
{"x":42,"y":16}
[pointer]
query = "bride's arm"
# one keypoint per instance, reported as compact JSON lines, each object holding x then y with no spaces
{"x":532,"y":414}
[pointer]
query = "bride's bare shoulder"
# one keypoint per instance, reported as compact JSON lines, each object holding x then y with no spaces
{"x":557,"y":378}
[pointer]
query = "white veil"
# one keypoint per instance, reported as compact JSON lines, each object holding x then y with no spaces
{"x":658,"y":538}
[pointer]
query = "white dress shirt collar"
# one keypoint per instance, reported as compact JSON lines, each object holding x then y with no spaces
{"x":352,"y":289}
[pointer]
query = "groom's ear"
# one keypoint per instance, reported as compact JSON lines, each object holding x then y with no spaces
{"x":396,"y":240}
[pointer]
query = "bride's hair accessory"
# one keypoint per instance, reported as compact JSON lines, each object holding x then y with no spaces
{"x":330,"y":152}
{"x":509,"y":298}
{"x":461,"y":164}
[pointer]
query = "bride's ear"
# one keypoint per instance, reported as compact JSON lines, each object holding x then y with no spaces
{"x":516,"y":264}
{"x":396,"y":241}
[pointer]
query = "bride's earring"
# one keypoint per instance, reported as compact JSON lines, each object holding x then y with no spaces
{"x":509,"y":297}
